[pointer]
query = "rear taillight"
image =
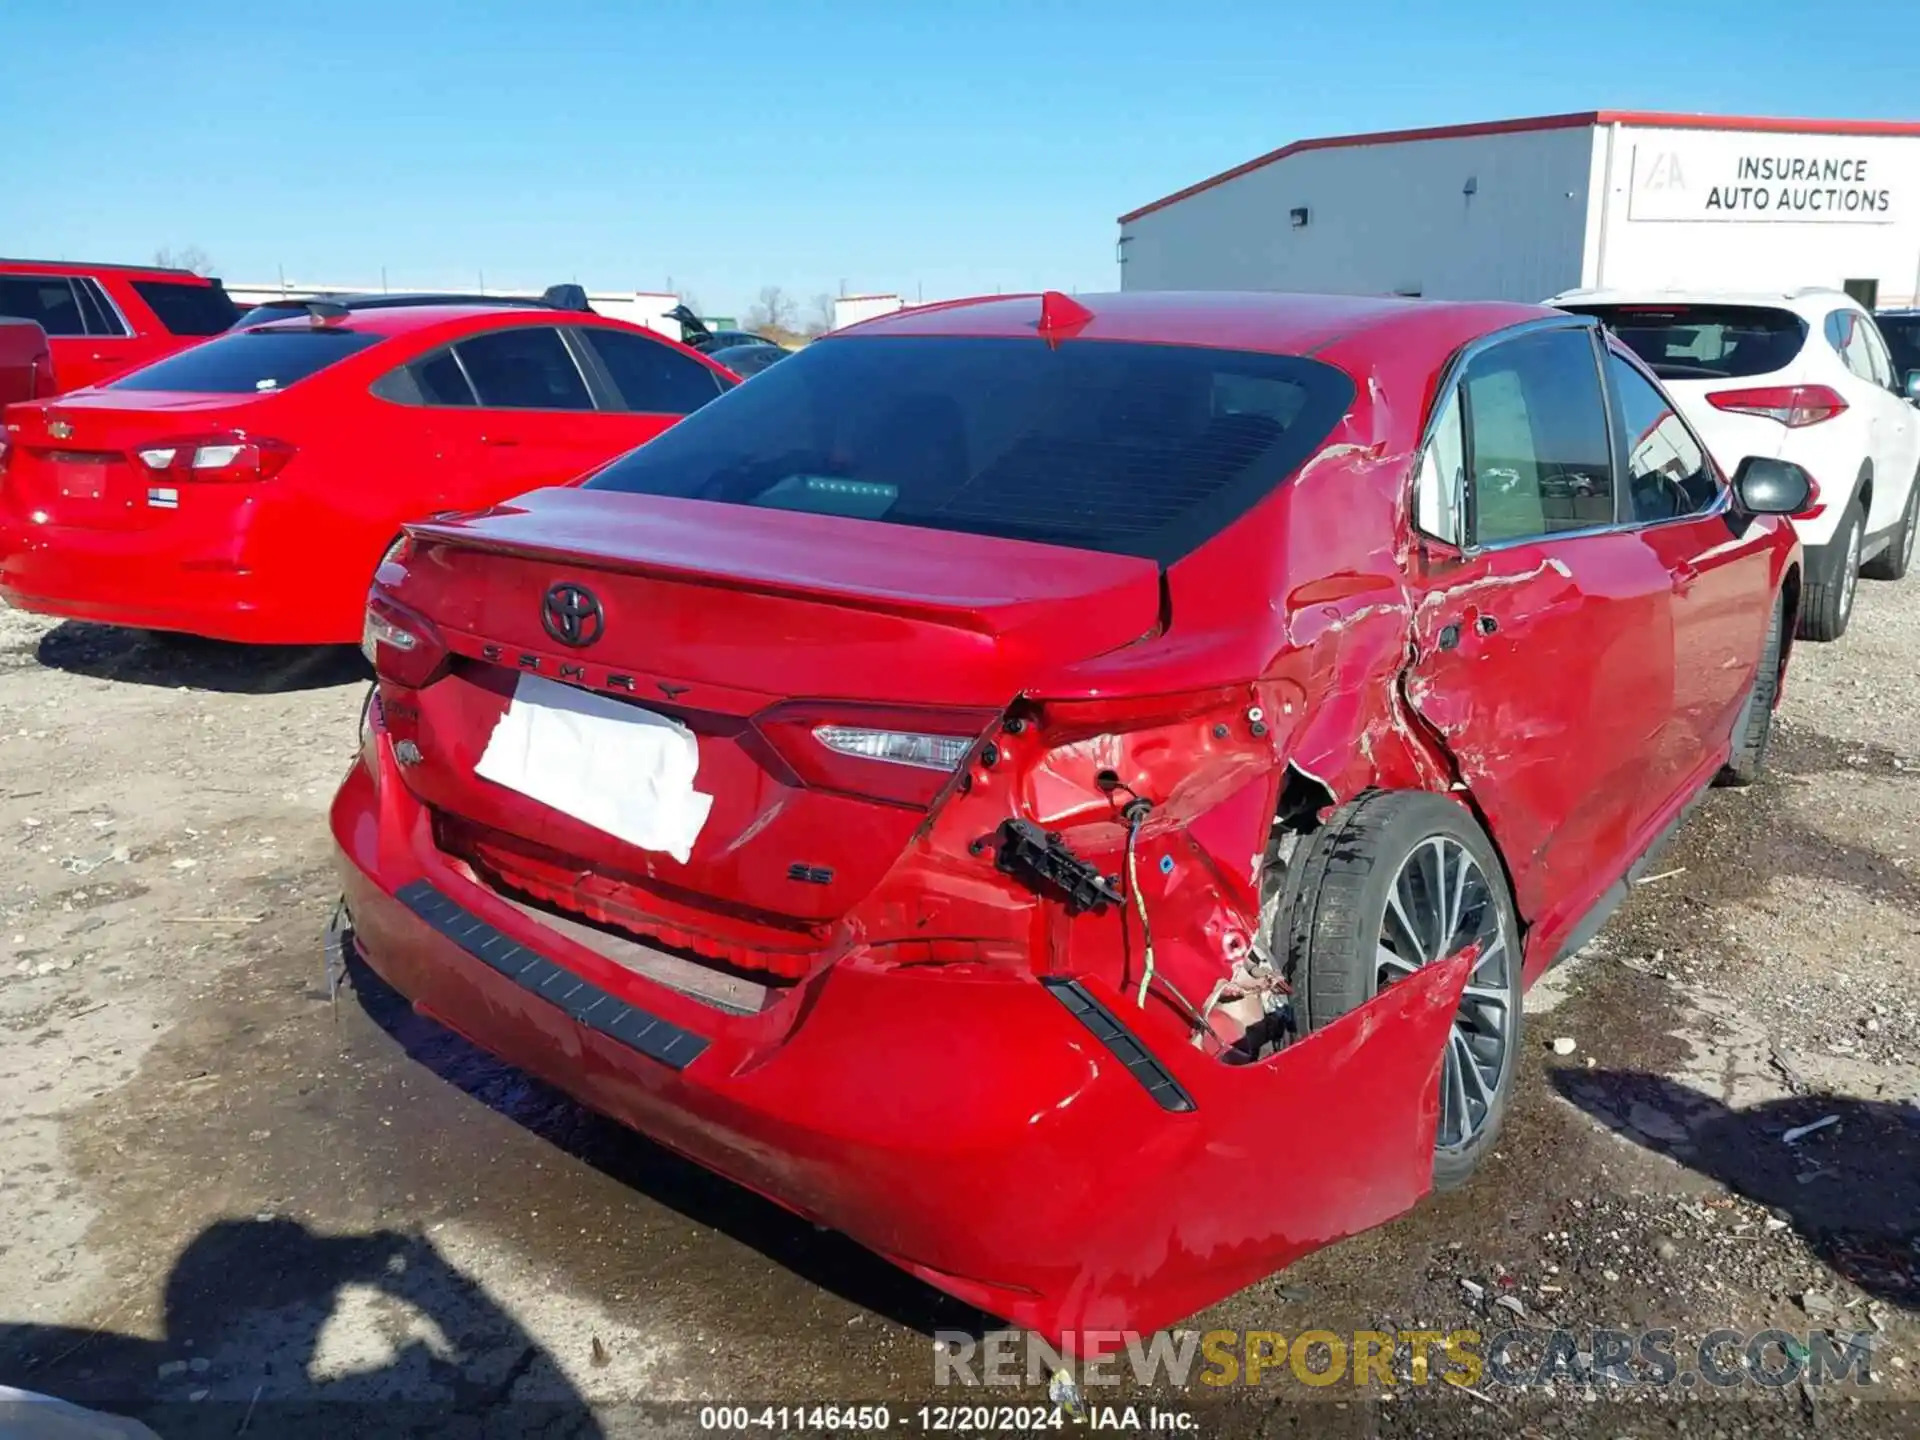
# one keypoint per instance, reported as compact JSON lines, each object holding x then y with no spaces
{"x":1794,"y":406}
{"x":400,"y":645}
{"x":224,"y":458}
{"x":900,"y":755}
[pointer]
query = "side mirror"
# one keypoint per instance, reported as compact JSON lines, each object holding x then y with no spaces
{"x":1772,"y":487}
{"x":1912,"y":387}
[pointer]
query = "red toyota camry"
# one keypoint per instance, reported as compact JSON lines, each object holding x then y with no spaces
{"x":1070,"y":793}
{"x":245,"y":489}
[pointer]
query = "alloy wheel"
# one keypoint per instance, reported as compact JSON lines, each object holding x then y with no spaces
{"x":1439,"y":905}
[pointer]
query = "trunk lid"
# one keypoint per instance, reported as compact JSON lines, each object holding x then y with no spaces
{"x":751,"y":627}
{"x":74,"y":464}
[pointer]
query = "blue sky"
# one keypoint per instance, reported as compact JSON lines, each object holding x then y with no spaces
{"x":921,"y":147}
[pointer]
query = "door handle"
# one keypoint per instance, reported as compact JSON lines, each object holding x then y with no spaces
{"x":499,"y":439}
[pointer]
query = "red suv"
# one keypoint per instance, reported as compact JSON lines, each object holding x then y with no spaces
{"x":106,"y":319}
{"x":1069,"y":794}
{"x":246,"y":488}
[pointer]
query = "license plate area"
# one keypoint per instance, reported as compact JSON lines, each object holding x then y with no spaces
{"x":625,"y":771}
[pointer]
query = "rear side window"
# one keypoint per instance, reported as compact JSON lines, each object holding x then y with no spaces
{"x":434,"y":379}
{"x":188,"y":309}
{"x":650,"y":378}
{"x":101,"y":317}
{"x":1128,"y":448}
{"x":1540,"y":460}
{"x":1848,"y":337}
{"x":524,"y":367}
{"x":1706,"y":342}
{"x":248,"y":362}
{"x":1668,"y":474}
{"x":48,"y":300}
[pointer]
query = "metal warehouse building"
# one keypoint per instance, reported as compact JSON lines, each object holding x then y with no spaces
{"x":1523,"y":209}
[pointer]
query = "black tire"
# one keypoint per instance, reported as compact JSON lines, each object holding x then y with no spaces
{"x":1749,"y":755}
{"x":1833,"y":572}
{"x":1333,"y":918}
{"x":1892,"y":562}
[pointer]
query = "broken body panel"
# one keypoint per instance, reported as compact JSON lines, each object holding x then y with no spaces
{"x":901,"y":1064}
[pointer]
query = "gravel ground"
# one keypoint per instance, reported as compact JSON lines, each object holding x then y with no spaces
{"x":230,"y":1205}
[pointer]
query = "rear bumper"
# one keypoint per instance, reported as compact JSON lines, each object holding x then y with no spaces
{"x":983,"y":1132}
{"x":198,"y":585}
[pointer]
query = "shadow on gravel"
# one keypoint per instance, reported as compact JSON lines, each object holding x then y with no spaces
{"x":1850,"y":1188}
{"x":823,"y":1258}
{"x":144,"y":657}
{"x":415,"y":1347}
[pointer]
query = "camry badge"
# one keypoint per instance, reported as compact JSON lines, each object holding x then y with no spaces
{"x":60,"y":429}
{"x":572,"y":615}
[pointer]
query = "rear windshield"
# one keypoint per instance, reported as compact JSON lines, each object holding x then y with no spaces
{"x":246,"y":362}
{"x":187,"y":309}
{"x":1134,"y":449}
{"x":1903,"y":339}
{"x":1705,"y":342}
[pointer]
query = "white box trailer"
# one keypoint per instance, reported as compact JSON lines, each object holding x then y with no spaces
{"x":1523,"y":209}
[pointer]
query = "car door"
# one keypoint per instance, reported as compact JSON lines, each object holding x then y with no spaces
{"x":1543,"y":629}
{"x":1720,"y":565}
{"x":122,"y":333}
{"x":1896,"y":433}
{"x":1851,"y":333}
{"x":511,"y":412}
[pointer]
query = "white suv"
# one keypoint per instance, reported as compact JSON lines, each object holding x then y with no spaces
{"x":1801,"y":376}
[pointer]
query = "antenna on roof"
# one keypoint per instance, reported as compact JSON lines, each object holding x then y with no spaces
{"x":567,"y":297}
{"x":1061,"y":315}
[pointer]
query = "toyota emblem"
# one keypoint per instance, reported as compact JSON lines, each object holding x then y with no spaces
{"x":572,"y":615}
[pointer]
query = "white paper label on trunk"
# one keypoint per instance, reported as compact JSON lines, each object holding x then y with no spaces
{"x":613,"y":766}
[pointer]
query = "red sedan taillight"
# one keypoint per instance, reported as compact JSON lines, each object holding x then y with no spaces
{"x":900,"y":755}
{"x":1794,"y":406}
{"x":401,"y":646}
{"x":224,"y":458}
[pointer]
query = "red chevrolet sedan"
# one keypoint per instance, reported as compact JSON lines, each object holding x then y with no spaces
{"x":246,"y":488}
{"x":1069,"y":793}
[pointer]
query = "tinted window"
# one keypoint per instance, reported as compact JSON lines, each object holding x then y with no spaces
{"x":1706,"y":342}
{"x":650,"y":377}
{"x":93,"y":308}
{"x":188,"y":309}
{"x":526,"y":367}
{"x":1539,"y":457}
{"x":1902,"y":334}
{"x":442,"y":381}
{"x":47,"y":299}
{"x":1667,"y":472}
{"x":248,"y":361}
{"x":1134,"y":449}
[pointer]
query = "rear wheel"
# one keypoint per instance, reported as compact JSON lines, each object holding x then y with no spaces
{"x":1396,"y":881}
{"x":1749,"y":754}
{"x":1892,"y":562}
{"x":1833,"y":574}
